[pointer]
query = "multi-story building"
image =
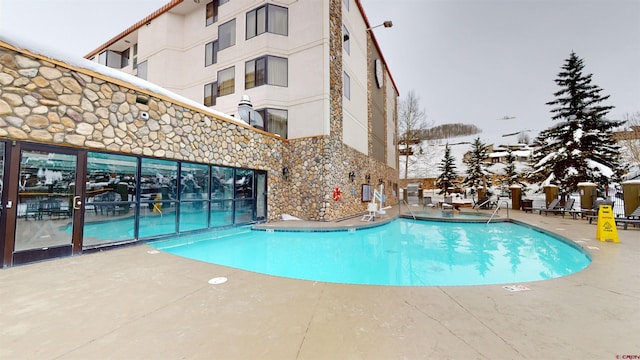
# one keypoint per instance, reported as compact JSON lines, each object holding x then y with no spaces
{"x":277,"y":53}
{"x":91,"y":157}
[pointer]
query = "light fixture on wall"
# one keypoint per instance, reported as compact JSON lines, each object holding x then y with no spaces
{"x":380,"y":181}
{"x":345,"y":37}
{"x":285,"y":173}
{"x":386,"y":24}
{"x":352,"y":176}
{"x":367,"y":178}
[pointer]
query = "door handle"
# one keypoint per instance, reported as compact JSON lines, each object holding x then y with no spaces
{"x":76,"y":202}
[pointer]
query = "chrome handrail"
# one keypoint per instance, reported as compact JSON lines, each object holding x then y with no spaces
{"x":408,"y":207}
{"x":498,"y":208}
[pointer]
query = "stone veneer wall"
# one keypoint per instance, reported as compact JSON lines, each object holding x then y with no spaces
{"x":318,"y":165}
{"x":49,"y":102}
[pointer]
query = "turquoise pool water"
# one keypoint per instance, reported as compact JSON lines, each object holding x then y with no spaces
{"x":401,"y":253}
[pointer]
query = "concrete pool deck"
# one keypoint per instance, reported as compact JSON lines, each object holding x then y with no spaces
{"x":137,"y":303}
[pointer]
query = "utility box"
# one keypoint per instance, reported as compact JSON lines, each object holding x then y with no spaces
{"x":631,"y":193}
{"x":588,"y":194}
{"x":516,"y":196}
{"x":550,"y":194}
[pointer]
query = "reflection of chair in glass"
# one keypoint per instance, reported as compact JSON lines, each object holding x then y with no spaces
{"x":52,"y":207}
{"x":33,"y":210}
{"x":105,"y":203}
{"x":447,"y":203}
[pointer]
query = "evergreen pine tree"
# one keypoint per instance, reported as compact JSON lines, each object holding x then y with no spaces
{"x":477,"y":168}
{"x":510,"y":174}
{"x":447,"y":169}
{"x":581,"y":147}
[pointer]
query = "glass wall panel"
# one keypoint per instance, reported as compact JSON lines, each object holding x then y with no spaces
{"x":244,"y":183}
{"x":244,"y":211}
{"x":221,"y":213}
{"x":221,"y":182}
{"x":110,"y":198}
{"x":194,"y":181}
{"x":158,"y":197}
{"x":45,"y":193}
{"x":193,"y":215}
{"x":194,"y":195}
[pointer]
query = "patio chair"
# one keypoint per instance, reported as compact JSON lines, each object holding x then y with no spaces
{"x":447,"y":202}
{"x":568,"y":206}
{"x":427,"y":202}
{"x":552,"y":205}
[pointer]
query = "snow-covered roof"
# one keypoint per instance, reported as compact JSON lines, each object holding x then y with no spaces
{"x":18,"y":42}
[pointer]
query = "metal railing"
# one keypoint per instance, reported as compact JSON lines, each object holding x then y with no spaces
{"x":498,"y":208}
{"x":408,"y":207}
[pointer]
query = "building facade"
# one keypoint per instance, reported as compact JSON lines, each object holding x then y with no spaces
{"x":91,"y":160}
{"x":312,"y":69}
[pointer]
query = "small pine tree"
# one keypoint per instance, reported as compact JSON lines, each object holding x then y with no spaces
{"x":447,"y":169}
{"x":511,"y":176}
{"x":581,"y":147}
{"x":477,"y":169}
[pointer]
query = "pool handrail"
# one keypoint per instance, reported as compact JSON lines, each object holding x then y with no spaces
{"x":498,"y":208}
{"x":408,"y":207}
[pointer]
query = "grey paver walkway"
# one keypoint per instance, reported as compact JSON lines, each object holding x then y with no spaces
{"x":135,"y":303}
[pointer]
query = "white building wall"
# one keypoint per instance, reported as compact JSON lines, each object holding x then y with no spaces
{"x":391,"y":95}
{"x":355,"y":110}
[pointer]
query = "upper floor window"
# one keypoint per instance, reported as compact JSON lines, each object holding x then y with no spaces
{"x":212,"y":11}
{"x":346,"y":42}
{"x":346,"y":4}
{"x":275,"y":121}
{"x":210,"y":93}
{"x":135,"y":56}
{"x":227,"y":34}
{"x":211,"y":53}
{"x":266,"y":70}
{"x":114,"y":59}
{"x":226,"y":81}
{"x":347,"y":85}
{"x":268,"y":18}
{"x":142,"y":70}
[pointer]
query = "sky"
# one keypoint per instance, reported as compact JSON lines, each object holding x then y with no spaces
{"x":468,"y":61}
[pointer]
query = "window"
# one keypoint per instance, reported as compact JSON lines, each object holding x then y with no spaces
{"x":269,"y":70}
{"x":210,"y":94}
{"x":135,"y":56}
{"x":211,"y":53}
{"x":347,"y":85}
{"x":142,"y":70}
{"x":124,"y":58}
{"x":114,"y":59}
{"x":275,"y":121}
{"x":226,"y":81}
{"x":211,"y":13}
{"x":227,"y":34}
{"x":346,"y":4}
{"x":346,"y":42}
{"x":268,"y":18}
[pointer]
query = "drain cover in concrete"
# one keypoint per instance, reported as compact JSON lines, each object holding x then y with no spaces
{"x":218,"y":280}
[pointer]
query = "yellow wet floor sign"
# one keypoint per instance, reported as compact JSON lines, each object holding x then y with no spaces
{"x":606,"y":229}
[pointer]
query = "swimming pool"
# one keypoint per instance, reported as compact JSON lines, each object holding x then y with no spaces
{"x":401,"y":253}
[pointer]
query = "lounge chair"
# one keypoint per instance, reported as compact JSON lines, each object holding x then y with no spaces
{"x":568,"y":207}
{"x":447,"y":203}
{"x":552,"y":205}
{"x":427,"y":202}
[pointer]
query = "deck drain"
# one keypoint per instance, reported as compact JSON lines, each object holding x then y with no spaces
{"x":218,"y":280}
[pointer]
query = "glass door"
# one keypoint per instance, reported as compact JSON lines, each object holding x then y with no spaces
{"x":45,"y":204}
{"x":261,"y":195}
